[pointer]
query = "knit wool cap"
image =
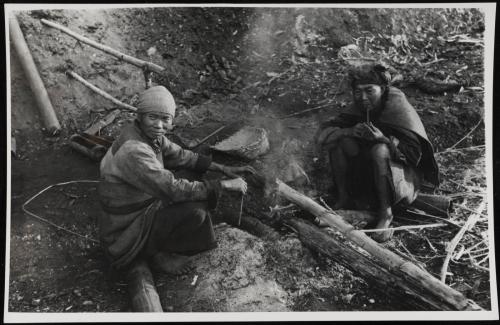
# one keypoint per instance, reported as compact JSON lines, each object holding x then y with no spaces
{"x":156,"y":99}
{"x":369,"y":74}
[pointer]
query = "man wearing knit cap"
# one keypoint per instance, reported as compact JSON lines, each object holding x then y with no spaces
{"x":147,"y":212}
{"x":378,"y":149}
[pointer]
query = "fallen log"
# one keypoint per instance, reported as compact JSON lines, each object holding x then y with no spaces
{"x":127,"y":58}
{"x":49,"y":117}
{"x":101,"y":92}
{"x":438,"y":205}
{"x":391,"y":283}
{"x":431,"y":288}
{"x":142,"y":290}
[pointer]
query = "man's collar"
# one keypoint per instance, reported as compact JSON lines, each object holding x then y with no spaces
{"x":154,"y":143}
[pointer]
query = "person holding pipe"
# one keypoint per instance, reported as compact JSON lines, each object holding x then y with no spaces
{"x":148,"y":212}
{"x":378,"y":149}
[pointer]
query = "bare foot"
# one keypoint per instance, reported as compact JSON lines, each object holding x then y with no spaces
{"x":172,"y":263}
{"x":383,"y":236}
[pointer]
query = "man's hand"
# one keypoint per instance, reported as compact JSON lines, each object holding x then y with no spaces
{"x":368,"y":132}
{"x":357,"y":131}
{"x":373,"y":134}
{"x":236,"y":184}
{"x":234,"y":172}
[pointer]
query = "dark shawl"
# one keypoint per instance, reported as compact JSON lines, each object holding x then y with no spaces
{"x":398,"y":116}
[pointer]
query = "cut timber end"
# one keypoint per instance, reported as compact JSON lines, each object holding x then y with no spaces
{"x":144,"y":297}
{"x":438,"y":205}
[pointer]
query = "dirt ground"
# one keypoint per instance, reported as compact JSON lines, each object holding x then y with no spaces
{"x":252,"y":66}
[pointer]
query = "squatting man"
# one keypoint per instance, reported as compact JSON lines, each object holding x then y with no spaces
{"x":148,"y":213}
{"x":378,"y":149}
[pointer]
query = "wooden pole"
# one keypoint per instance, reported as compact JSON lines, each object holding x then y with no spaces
{"x":127,"y":58}
{"x":101,"y":92}
{"x":142,"y":288}
{"x":49,"y":117}
{"x":391,"y":261}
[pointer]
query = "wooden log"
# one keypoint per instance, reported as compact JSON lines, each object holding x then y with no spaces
{"x":87,"y":147}
{"x":403,"y":291}
{"x":100,"y":91}
{"x":127,"y":58}
{"x":430,"y":285}
{"x":47,"y":113}
{"x":253,"y":226}
{"x":141,"y":287}
{"x":438,"y":205}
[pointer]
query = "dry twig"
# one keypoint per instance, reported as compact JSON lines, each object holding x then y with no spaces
{"x":481,"y":146}
{"x":241,"y":209}
{"x":432,"y":225}
{"x":454,"y":242}
{"x":50,"y":222}
{"x":470,"y":132}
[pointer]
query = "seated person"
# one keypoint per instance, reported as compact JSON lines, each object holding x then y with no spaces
{"x":378,"y":149}
{"x":148,"y":212}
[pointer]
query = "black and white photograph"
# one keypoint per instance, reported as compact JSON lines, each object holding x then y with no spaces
{"x":249,"y":162}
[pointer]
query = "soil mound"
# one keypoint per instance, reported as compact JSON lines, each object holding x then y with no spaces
{"x":234,"y":276}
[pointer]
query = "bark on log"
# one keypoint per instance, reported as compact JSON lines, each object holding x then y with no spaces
{"x":142,"y":290}
{"x":431,"y":286}
{"x":49,"y":117}
{"x":127,"y":58}
{"x":438,"y":205}
{"x":100,"y":92}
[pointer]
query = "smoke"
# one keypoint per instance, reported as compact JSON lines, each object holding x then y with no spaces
{"x":275,"y":38}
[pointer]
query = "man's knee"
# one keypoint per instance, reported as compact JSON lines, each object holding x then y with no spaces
{"x":349,"y":146}
{"x":380,"y":153}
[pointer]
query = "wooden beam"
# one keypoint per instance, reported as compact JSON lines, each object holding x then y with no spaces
{"x":127,"y":58}
{"x":438,"y":205}
{"x":141,"y":287}
{"x":101,"y":92}
{"x":44,"y":104}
